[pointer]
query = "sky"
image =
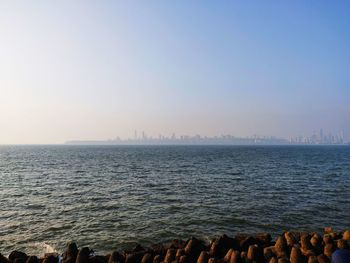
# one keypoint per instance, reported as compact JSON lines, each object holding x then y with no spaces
{"x":99,"y":69}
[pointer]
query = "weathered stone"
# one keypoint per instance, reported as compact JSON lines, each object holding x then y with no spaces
{"x":178,"y":243}
{"x":323,"y":259}
{"x":290,"y":238}
{"x":4,"y":259}
{"x":50,"y":259}
{"x":228,"y":255}
{"x":316,"y":241}
{"x":235,"y":257}
{"x":305,"y":242}
{"x":342,"y":244}
{"x":138,"y":248}
{"x":32,"y":259}
{"x":158,"y":249}
{"x":193,"y":248}
{"x":346,"y":235}
{"x":280,"y":248}
{"x":221,"y":245}
{"x":245,"y":243}
{"x":71,"y":253}
{"x":312,"y":259}
{"x":135,"y":257}
{"x":327,"y":239}
{"x":203,"y":257}
{"x":116,"y":257}
{"x":328,"y":230}
{"x":269,"y":253}
{"x":157,"y":259}
{"x":17,"y":254}
{"x":19,"y":260}
{"x":170,"y":255}
{"x":254,"y":253}
{"x":83,"y":255}
{"x":98,"y":259}
{"x":295,"y":255}
{"x":147,"y":258}
{"x":328,"y":250}
{"x":180,"y":252}
{"x":183,"y":259}
{"x":263,"y":239}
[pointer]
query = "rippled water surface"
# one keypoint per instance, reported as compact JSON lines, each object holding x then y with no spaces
{"x":111,"y":197}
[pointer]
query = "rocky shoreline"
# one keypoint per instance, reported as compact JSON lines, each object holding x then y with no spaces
{"x":293,"y":247}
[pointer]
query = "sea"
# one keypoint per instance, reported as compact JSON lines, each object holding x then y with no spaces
{"x":114,"y":197}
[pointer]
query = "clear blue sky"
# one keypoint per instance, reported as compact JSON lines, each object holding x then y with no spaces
{"x":101,"y":69}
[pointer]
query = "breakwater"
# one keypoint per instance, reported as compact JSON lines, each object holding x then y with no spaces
{"x":292,"y":247}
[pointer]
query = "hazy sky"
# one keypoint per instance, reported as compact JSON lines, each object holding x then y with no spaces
{"x":101,"y":69}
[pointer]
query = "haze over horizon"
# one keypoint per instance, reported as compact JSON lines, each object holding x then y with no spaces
{"x":93,"y":70}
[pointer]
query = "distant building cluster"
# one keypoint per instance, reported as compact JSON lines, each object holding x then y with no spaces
{"x":320,"y":138}
{"x":144,"y":139}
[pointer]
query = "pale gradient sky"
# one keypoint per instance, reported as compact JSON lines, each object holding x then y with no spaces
{"x":101,"y":69}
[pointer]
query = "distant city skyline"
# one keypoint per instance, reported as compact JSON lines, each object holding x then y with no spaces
{"x":322,"y":138}
{"x":94,"y":69}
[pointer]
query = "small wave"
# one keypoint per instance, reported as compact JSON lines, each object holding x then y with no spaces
{"x":42,"y":248}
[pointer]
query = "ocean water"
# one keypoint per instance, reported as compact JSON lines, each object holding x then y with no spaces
{"x":111,"y":197}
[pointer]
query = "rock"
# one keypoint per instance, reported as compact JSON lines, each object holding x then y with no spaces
{"x":170,"y":255}
{"x":248,"y":241}
{"x":295,"y":255}
{"x":138,"y":248}
{"x":98,"y":259}
{"x":193,"y":248}
{"x":263,"y":239}
{"x":183,"y":259}
{"x":327,"y":239}
{"x":228,"y":255}
{"x":312,"y":259}
{"x":177,"y":243}
{"x":17,"y":254}
{"x":306,"y":247}
{"x":346,"y":235}
{"x":254,"y":253}
{"x":19,"y":260}
{"x":134,"y":257}
{"x":290,"y":238}
{"x":280,"y":248}
{"x":273,"y":260}
{"x":4,"y":259}
{"x":71,"y":253}
{"x":212,"y":260}
{"x":180,"y":252}
{"x":203,"y":257}
{"x":50,"y":259}
{"x":328,"y":250}
{"x":116,"y":257}
{"x":342,"y":244}
{"x":157,"y":259}
{"x":283,"y":260}
{"x":83,"y":255}
{"x":147,"y":258}
{"x":269,"y":253}
{"x":235,"y":257}
{"x":32,"y":259}
{"x":323,"y":259}
{"x":328,"y":230}
{"x":316,"y":241}
{"x":221,"y":245}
